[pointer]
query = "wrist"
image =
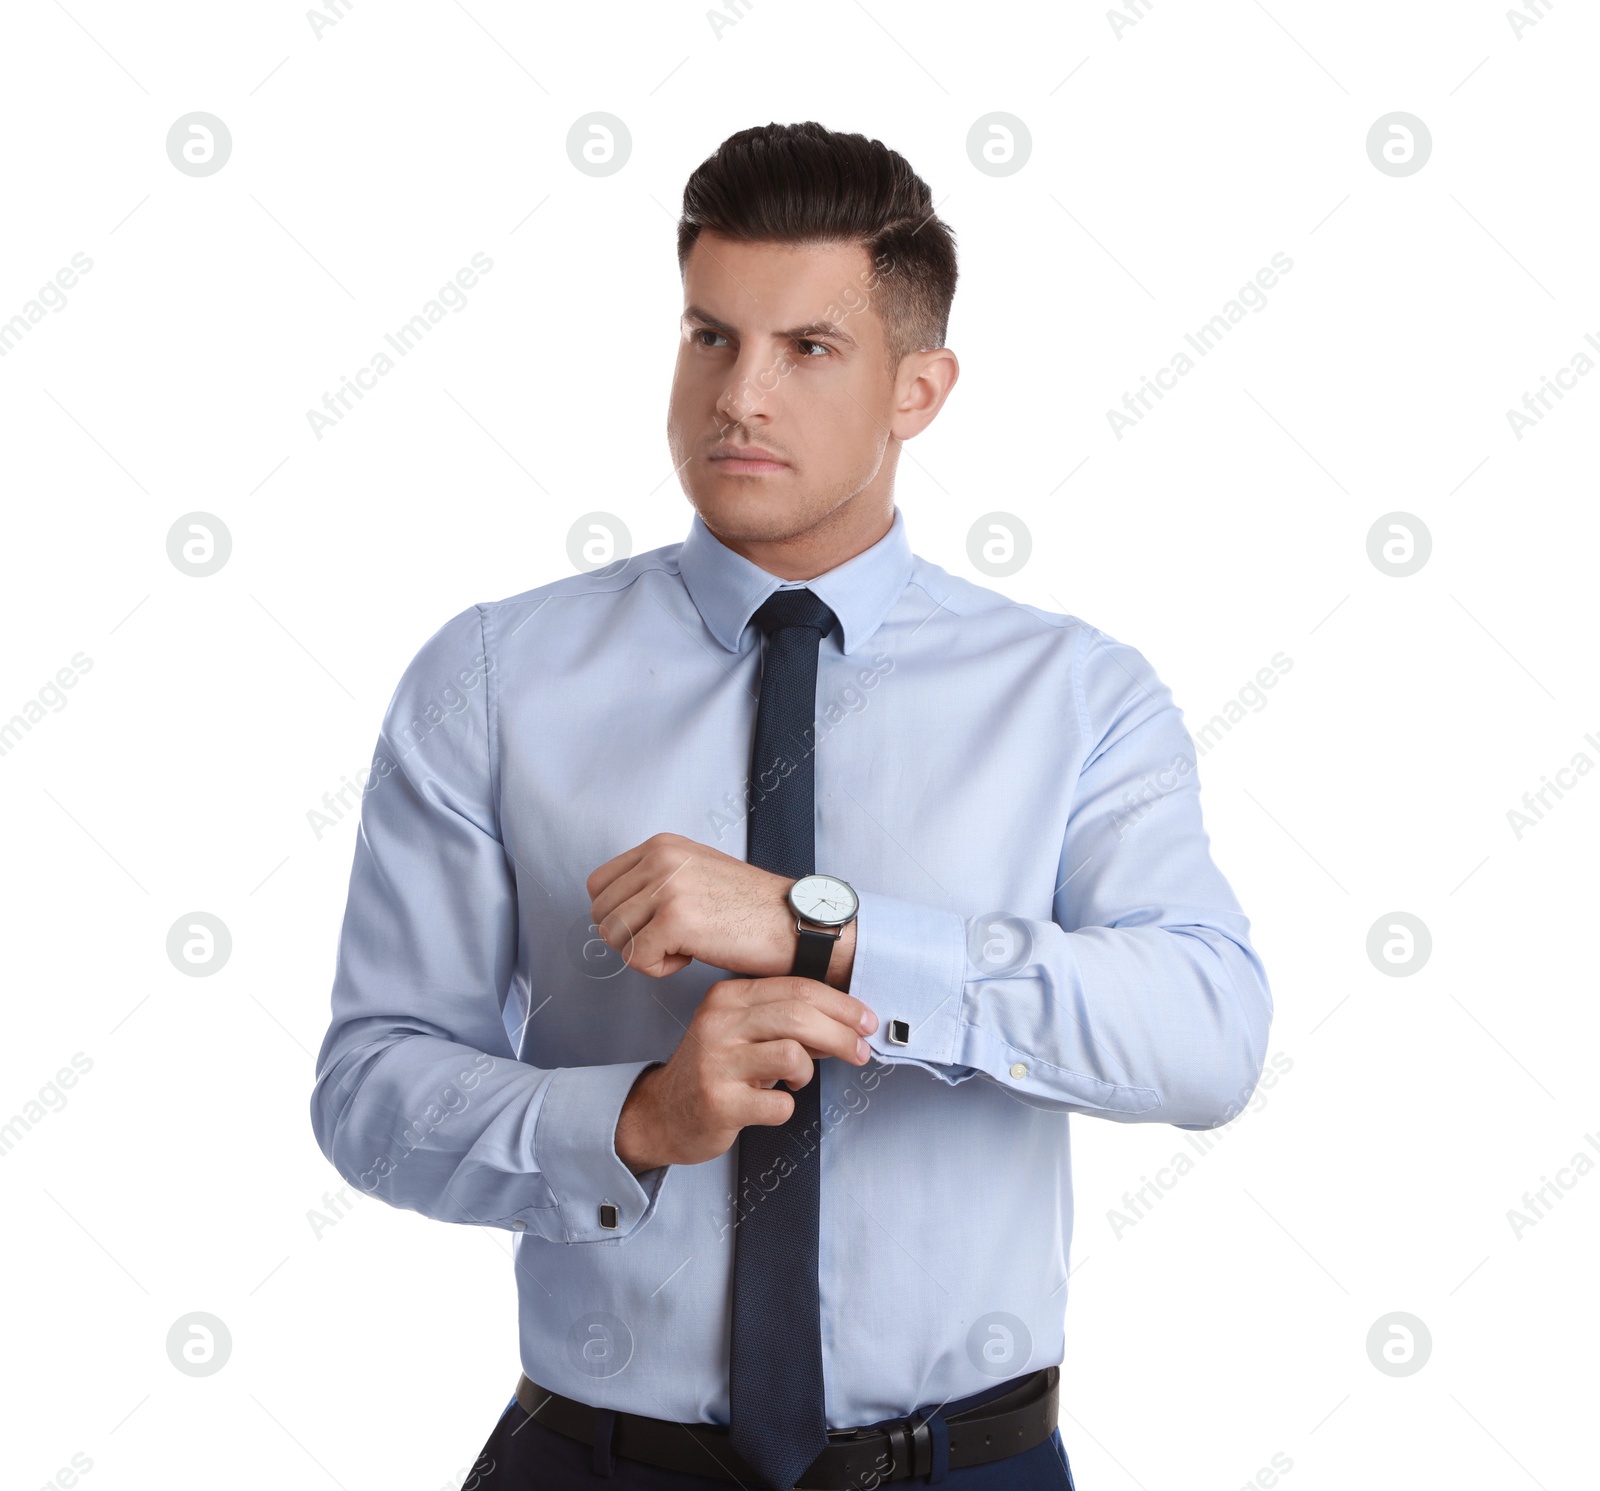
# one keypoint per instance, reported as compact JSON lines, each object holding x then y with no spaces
{"x":634,"y":1139}
{"x":821,"y":939}
{"x":843,"y":960}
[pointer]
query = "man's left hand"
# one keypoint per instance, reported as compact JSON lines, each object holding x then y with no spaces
{"x":671,"y":899}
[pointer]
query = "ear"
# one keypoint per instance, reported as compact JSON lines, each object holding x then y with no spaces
{"x":921,"y":386}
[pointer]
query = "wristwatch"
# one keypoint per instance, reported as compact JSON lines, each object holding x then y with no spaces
{"x":823,"y":907}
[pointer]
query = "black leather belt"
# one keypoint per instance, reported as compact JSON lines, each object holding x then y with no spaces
{"x":1015,"y":1421}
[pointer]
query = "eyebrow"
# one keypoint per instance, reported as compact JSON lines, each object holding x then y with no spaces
{"x":810,"y":330}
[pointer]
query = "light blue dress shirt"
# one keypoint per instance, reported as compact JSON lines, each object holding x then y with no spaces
{"x":1012,"y":793}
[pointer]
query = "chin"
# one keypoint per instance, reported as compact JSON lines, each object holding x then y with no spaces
{"x":746,"y":507}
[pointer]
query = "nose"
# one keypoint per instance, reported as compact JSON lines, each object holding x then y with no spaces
{"x":752,"y":385}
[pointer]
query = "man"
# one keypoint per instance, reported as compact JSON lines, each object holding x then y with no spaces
{"x":738,"y":925}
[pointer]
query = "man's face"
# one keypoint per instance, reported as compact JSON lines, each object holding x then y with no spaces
{"x":781,"y":352}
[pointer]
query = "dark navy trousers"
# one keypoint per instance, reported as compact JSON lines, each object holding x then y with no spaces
{"x":523,"y":1455}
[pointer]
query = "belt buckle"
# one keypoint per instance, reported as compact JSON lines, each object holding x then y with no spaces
{"x":911,"y":1447}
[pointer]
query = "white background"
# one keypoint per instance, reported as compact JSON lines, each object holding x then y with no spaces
{"x":1169,"y":163}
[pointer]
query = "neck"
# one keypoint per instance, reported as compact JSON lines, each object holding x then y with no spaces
{"x":849,"y":529}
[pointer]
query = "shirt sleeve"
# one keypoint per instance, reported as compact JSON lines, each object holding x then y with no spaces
{"x":1141,"y":1000}
{"x":419,"y":1098}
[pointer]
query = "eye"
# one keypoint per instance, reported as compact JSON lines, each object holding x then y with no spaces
{"x":704,"y":331}
{"x":802,"y":343}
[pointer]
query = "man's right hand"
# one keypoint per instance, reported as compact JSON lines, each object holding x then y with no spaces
{"x":747,"y":1036}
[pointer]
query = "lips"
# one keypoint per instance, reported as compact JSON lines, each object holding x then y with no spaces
{"x":741,"y":455}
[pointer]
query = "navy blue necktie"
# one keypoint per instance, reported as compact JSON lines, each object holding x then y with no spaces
{"x":778,"y":1417}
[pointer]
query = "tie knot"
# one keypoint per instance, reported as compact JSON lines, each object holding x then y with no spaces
{"x":794,"y":608}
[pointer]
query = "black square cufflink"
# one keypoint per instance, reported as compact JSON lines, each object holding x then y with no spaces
{"x":900,"y":1032}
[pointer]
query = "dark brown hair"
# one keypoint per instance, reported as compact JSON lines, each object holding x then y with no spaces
{"x":804,"y":183}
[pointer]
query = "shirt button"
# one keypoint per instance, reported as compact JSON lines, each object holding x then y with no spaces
{"x":519,"y":1226}
{"x":1018,"y":1070}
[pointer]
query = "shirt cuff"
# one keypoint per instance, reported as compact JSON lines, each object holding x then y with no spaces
{"x":910,"y":966}
{"x":574,"y":1143}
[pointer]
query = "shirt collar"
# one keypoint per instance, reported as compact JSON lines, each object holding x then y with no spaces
{"x":727,"y":588}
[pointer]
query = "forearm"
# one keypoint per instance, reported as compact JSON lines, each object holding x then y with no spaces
{"x":419,"y":1098}
{"x":462,"y":1135}
{"x":1138,"y":997}
{"x":1163,"y":1023}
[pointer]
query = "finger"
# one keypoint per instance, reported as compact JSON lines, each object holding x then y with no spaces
{"x":766,"y":1063}
{"x":795,"y":1020}
{"x":603,"y":875}
{"x":843,"y":1008}
{"x":635,"y":880}
{"x":675,"y":847}
{"x":640,"y":932}
{"x":763,"y":1107}
{"x":621,"y":925}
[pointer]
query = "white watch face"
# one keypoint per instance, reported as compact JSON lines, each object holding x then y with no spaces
{"x":823,"y":899}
